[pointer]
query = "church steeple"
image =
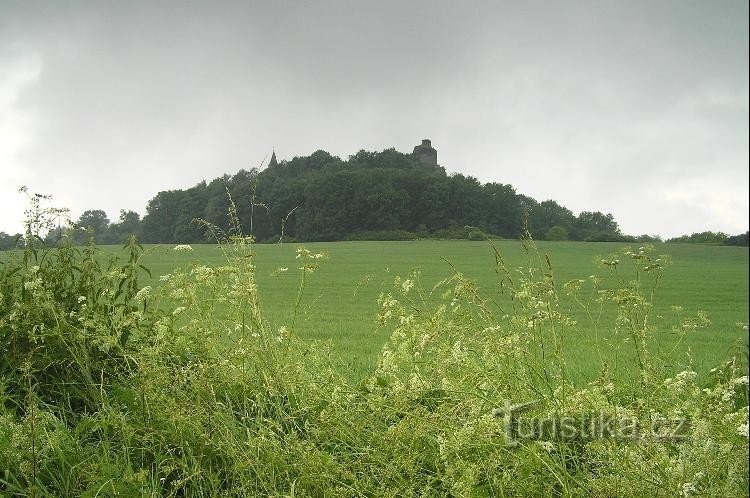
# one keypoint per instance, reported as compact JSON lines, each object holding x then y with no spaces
{"x":273,"y":161}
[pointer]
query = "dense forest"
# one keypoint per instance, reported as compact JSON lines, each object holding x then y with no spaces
{"x":384,"y":195}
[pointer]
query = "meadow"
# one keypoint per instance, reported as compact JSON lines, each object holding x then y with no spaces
{"x":425,"y":368}
{"x":340,"y":301}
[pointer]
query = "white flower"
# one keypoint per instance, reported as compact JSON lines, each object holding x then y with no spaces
{"x":458,"y":352}
{"x":32,"y":285}
{"x":407,"y":285}
{"x":686,"y":375}
{"x":178,"y":310}
{"x":202,"y":273}
{"x":688,"y":489}
{"x":743,"y":429}
{"x":143,"y":294}
{"x":547,"y":446}
{"x":183,"y":248}
{"x":81,"y":299}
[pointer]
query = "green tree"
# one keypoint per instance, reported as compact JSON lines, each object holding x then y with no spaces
{"x":8,"y":241}
{"x":596,"y":227}
{"x":738,"y":240}
{"x":161,"y":216}
{"x":93,"y":222}
{"x":547,"y":214}
{"x":556,"y":233}
{"x":128,"y":224}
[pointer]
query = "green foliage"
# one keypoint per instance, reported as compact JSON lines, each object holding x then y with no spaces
{"x":738,"y":240}
{"x":718,"y":238}
{"x":556,"y":233}
{"x":702,"y":238}
{"x":186,"y":389}
{"x":9,"y":241}
{"x":383,"y":235}
{"x":322,"y":198}
{"x":596,"y":227}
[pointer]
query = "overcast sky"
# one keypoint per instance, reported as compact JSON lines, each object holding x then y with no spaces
{"x":635,"y":108}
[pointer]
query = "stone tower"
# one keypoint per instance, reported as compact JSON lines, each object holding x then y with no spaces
{"x":425,"y":154}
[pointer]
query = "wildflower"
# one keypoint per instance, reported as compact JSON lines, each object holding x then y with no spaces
{"x":183,"y":248}
{"x":178,"y":310}
{"x":686,"y":375}
{"x":458,"y":352}
{"x":81,"y":299}
{"x":407,"y":285}
{"x":202,"y":273}
{"x":689,"y":489}
{"x":143,"y":294}
{"x":742,"y":430}
{"x":33,"y":285}
{"x":282,"y":332}
{"x":547,"y":446}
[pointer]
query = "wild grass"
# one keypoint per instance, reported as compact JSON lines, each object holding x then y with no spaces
{"x":115,"y":386}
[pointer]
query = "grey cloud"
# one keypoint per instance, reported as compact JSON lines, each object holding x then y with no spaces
{"x":590,"y":103}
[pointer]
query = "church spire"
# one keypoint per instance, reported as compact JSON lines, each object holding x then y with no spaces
{"x":273,"y":161}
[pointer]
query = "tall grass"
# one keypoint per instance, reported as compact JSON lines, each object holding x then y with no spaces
{"x":184,"y":389}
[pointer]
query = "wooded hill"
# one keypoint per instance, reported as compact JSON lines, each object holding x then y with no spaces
{"x":373,"y":195}
{"x":384,"y":195}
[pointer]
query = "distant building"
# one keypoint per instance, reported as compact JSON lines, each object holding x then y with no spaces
{"x":425,"y":154}
{"x":273,"y":161}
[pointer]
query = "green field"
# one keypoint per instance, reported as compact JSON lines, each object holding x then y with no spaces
{"x":120,"y":384}
{"x":340,"y":300}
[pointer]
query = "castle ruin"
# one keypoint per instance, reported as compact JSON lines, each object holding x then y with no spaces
{"x":425,"y":154}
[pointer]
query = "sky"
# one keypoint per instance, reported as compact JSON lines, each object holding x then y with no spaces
{"x":635,"y":108}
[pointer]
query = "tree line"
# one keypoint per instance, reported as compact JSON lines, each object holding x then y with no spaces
{"x":385,"y":195}
{"x":716,"y":238}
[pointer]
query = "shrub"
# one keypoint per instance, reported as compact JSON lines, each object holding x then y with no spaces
{"x":383,"y":235}
{"x":476,"y":234}
{"x":556,"y":233}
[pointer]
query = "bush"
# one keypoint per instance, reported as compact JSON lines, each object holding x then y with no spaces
{"x":608,"y":237}
{"x":383,"y":235}
{"x":476,"y":234}
{"x":556,"y":233}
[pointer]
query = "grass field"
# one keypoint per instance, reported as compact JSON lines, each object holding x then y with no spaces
{"x":120,"y":385}
{"x":340,"y":300}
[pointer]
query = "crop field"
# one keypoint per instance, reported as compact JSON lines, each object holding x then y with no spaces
{"x":424,"y":368}
{"x":340,"y":305}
